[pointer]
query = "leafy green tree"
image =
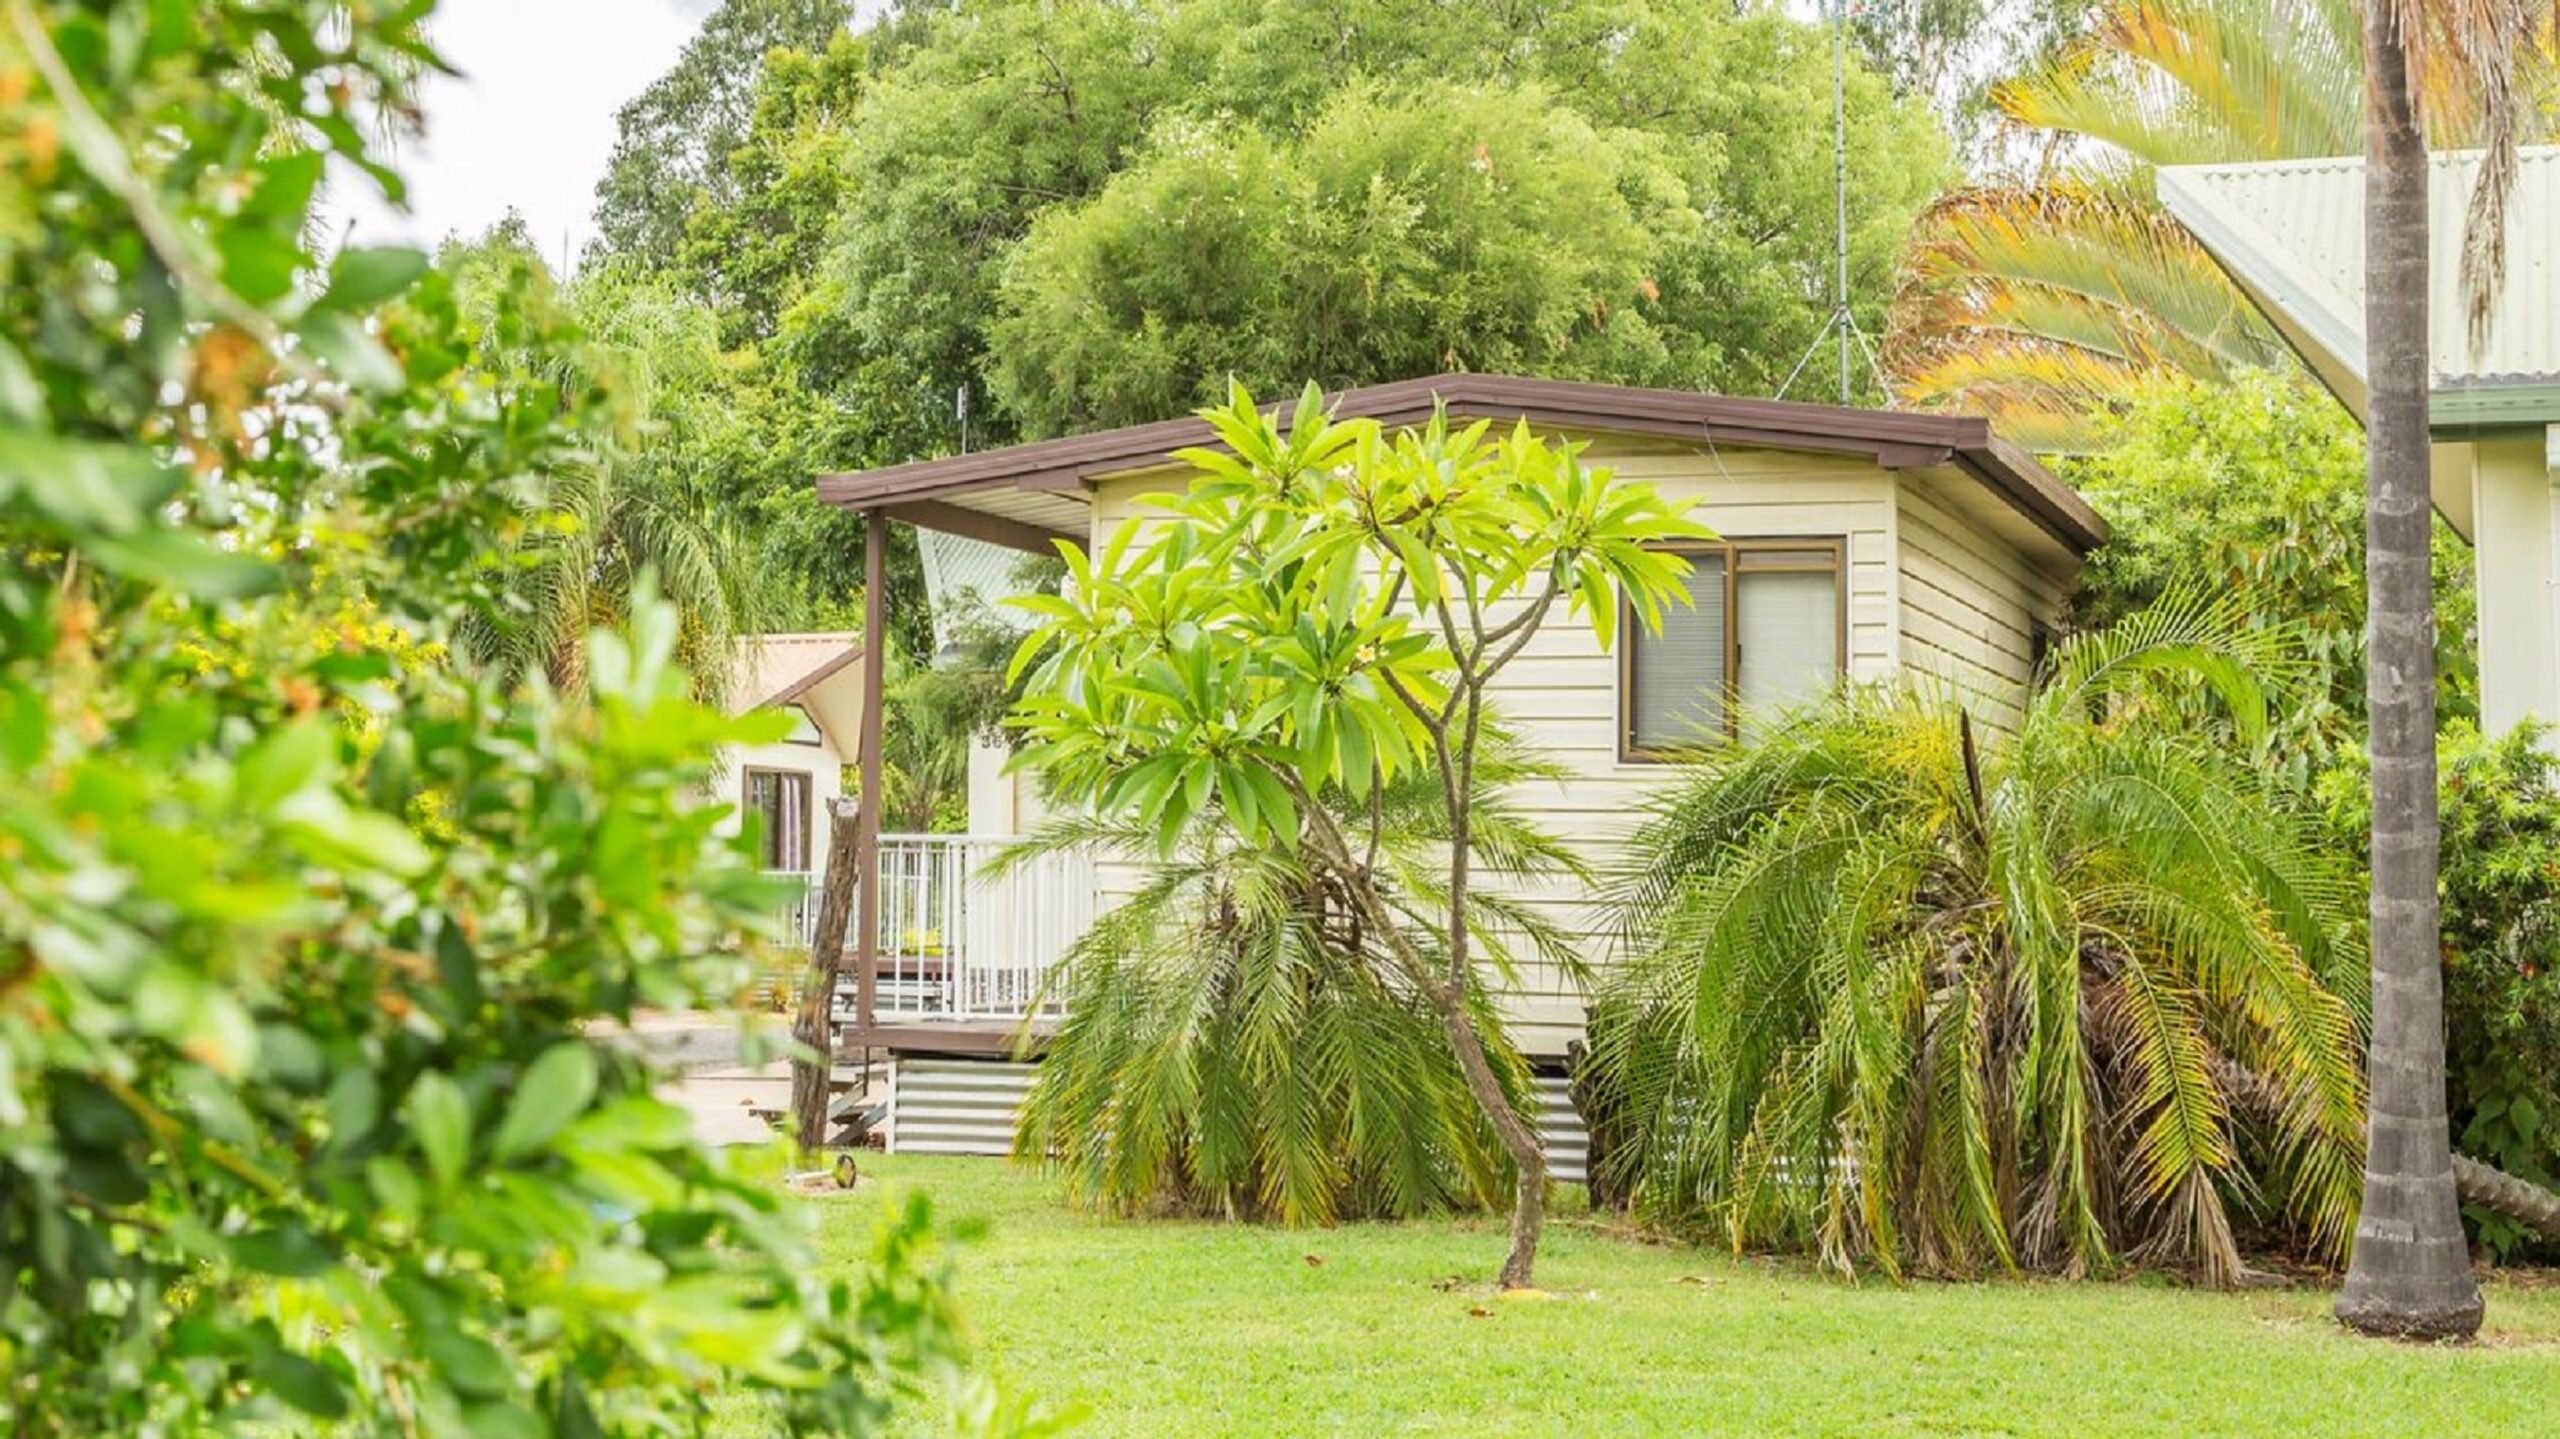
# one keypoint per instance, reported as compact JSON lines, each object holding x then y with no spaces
{"x":2255,"y":485}
{"x":1952,"y":51}
{"x":1453,"y":228}
{"x":1324,"y":611}
{"x":1924,"y":1002}
{"x":754,"y":254}
{"x":304,"y":925}
{"x":676,"y":136}
{"x":987,"y":118}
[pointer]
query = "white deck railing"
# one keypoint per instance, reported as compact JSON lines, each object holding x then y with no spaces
{"x":957,"y":942}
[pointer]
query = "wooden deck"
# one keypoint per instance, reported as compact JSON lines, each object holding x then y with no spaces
{"x":960,"y":1038}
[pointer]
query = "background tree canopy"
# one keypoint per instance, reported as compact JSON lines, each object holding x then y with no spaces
{"x":1080,"y":215}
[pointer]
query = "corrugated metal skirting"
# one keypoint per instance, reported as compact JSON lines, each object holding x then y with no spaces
{"x":967,"y":1106}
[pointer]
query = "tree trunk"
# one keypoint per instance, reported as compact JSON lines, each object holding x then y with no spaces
{"x":1448,"y":995}
{"x":1519,"y":1139}
{"x":811,"y":1079}
{"x":2499,"y":1192}
{"x":2410,"y":1274}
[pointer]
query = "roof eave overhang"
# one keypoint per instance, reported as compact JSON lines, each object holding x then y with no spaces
{"x":812,"y":679}
{"x":1893,"y":439}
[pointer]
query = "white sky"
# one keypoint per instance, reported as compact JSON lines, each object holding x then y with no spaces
{"x":528,"y":124}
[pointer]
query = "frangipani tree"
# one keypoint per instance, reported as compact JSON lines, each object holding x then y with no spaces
{"x":1325,"y":609}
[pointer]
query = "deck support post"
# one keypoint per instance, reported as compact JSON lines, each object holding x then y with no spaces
{"x":875,"y":650}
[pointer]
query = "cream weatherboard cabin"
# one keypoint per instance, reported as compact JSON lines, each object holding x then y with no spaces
{"x":1855,"y":545}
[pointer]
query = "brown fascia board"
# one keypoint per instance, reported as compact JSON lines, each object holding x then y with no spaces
{"x":1894,"y":439}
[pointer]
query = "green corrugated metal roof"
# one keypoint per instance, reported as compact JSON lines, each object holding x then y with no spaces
{"x":2291,"y":233}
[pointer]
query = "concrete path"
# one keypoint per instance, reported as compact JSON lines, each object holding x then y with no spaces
{"x":711,"y":1080}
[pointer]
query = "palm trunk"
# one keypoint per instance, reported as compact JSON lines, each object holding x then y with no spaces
{"x":2410,"y":1275}
{"x":810,"y":1079}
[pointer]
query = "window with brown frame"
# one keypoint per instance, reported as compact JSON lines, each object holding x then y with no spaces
{"x":1764,"y":629}
{"x":779,"y":798}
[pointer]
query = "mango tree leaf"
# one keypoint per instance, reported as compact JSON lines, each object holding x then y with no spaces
{"x":283,"y":764}
{"x":364,"y":276}
{"x":441,"y":1119}
{"x":290,"y":1252}
{"x":21,"y":398}
{"x":554,"y":1091}
{"x":306,"y":1384}
{"x":342,"y":341}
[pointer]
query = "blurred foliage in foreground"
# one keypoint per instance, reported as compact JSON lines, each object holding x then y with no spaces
{"x":302,"y":924}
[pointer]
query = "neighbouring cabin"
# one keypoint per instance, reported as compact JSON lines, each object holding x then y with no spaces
{"x":784,"y":786}
{"x":2291,"y":236}
{"x":1853,"y":545}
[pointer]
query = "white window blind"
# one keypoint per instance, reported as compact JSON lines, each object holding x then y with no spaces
{"x":1787,"y":623}
{"x":1678,"y":675}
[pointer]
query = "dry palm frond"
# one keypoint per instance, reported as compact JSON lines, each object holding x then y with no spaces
{"x":2173,"y":82}
{"x":2038,"y":303}
{"x":2044,"y":307}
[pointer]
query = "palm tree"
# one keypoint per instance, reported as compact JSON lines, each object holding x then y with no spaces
{"x":588,"y":545}
{"x":1922,"y":1006}
{"x":1233,"y":1041}
{"x":2411,"y":1274}
{"x":2041,"y":303}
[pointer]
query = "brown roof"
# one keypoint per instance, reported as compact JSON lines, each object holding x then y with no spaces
{"x":1894,"y":439}
{"x":776,"y":669}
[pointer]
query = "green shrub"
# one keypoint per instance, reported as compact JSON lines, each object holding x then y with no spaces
{"x":304,"y":926}
{"x":2500,"y":805}
{"x":2257,"y":486}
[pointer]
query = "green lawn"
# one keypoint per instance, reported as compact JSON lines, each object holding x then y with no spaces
{"x":1166,"y":1328}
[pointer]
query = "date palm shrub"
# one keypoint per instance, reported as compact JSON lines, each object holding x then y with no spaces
{"x":1237,"y":1043}
{"x":1932,"y":1001}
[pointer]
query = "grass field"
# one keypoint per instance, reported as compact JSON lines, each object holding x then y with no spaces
{"x":1178,"y":1328}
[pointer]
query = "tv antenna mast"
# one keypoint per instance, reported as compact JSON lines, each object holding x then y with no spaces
{"x":1841,"y":328}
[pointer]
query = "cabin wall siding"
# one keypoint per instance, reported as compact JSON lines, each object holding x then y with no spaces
{"x":1971,"y":606}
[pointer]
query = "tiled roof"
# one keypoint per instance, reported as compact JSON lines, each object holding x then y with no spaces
{"x":778,"y":668}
